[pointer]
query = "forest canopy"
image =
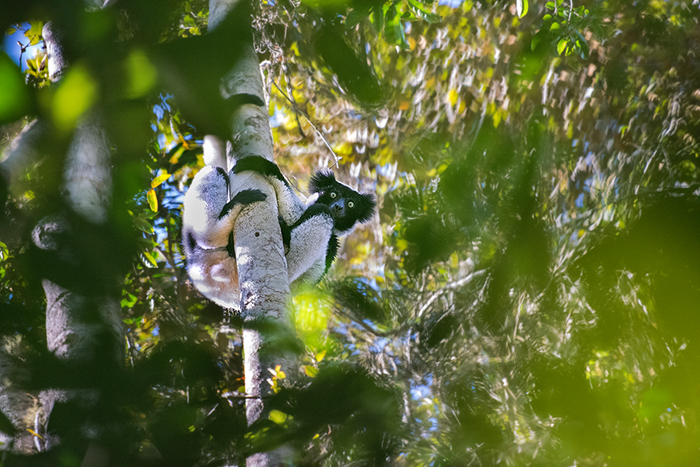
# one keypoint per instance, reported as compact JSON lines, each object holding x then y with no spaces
{"x":528,"y":293}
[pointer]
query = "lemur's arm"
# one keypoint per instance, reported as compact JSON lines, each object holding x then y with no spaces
{"x":306,"y":231}
{"x":307,"y":243}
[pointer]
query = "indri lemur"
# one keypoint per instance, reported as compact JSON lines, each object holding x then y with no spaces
{"x":310,"y":232}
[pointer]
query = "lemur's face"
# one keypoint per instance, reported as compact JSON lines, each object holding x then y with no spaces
{"x":347,"y":206}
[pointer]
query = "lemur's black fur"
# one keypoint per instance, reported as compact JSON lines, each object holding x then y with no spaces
{"x":310,"y":232}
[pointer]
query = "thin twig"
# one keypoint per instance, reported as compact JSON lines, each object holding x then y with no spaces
{"x":450,"y":286}
{"x":571,"y":10}
{"x":308,"y":119}
{"x":296,"y":108}
{"x":370,"y":329}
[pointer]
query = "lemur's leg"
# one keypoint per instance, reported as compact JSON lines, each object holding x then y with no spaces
{"x":203,"y":203}
{"x":261,"y":165}
{"x":289,"y":205}
{"x":309,"y":240}
{"x":208,"y":221}
{"x":208,"y":218}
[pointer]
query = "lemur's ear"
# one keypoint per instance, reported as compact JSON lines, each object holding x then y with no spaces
{"x":365,"y":206}
{"x":321,"y":181}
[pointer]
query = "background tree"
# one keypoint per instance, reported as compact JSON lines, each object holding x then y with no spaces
{"x":527,"y":296}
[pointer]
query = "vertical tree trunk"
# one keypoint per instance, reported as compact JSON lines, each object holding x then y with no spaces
{"x":81,"y":328}
{"x":262,"y":267}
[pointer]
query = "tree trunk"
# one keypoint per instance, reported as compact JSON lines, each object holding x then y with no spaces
{"x":262,"y":268}
{"x":81,"y":328}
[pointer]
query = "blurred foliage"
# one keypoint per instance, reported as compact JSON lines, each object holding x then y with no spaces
{"x":528,"y":294}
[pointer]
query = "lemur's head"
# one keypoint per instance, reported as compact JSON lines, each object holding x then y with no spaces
{"x":347,"y":206}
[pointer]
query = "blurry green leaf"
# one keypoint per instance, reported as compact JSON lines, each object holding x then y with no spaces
{"x":554,"y":27}
{"x":561,"y":46}
{"x":128,"y":302}
{"x":277,"y":416}
{"x":423,"y":13}
{"x":4,"y":251}
{"x":394,"y":28}
{"x":151,"y":260}
{"x":14,"y":95}
{"x":321,"y":355}
{"x":136,"y":319}
{"x":155,"y":183}
{"x":535,"y":42}
{"x":378,"y":18}
{"x":392,"y":20}
{"x":353,"y":72}
{"x":355,"y":16}
{"x":152,"y":199}
{"x":432,"y":17}
{"x":34,"y":33}
{"x":335,"y":5}
{"x":141,"y":75}
{"x":582,"y":45}
{"x":310,"y":370}
{"x":75,"y":95}
{"x":522,"y":7}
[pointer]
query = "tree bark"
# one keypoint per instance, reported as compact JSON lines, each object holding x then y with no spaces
{"x":262,"y":267}
{"x":80,"y":329}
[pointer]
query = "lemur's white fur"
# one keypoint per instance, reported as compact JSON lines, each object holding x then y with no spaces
{"x":309,"y":229}
{"x":214,"y":152}
{"x":206,"y":236}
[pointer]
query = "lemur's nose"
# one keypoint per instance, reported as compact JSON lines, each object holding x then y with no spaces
{"x":338,"y":208}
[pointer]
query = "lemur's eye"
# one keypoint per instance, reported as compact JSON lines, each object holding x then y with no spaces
{"x":351,"y":204}
{"x":333,"y":194}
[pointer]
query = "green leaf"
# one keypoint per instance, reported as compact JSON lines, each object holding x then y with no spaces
{"x":77,"y":92}
{"x":14,"y":95}
{"x":36,"y":29}
{"x":554,"y":27}
{"x":128,"y":302}
{"x":424,"y":14}
{"x":378,"y":18}
{"x":581,"y":38}
{"x":152,"y":199}
{"x":34,"y":34}
{"x":561,"y":46}
{"x":156,"y":182}
{"x":277,"y":416}
{"x":355,"y":16}
{"x":395,"y":33}
{"x":143,"y":225}
{"x":135,"y":320}
{"x":392,"y":23}
{"x":582,"y":47}
{"x":141,"y":75}
{"x":151,"y":260}
{"x":433,"y":18}
{"x":311,"y":371}
{"x":522,"y":7}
